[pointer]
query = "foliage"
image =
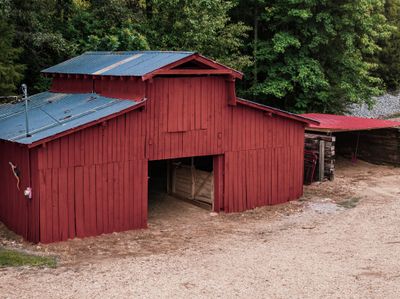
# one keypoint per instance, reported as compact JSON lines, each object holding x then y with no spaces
{"x":198,"y":25}
{"x":104,"y":25}
{"x":10,"y":71}
{"x":389,"y":58}
{"x":12,"y":258}
{"x":314,"y":55}
{"x":35,"y":33}
{"x":302,"y":55}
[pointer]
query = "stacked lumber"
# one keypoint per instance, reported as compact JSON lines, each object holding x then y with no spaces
{"x":323,"y":147}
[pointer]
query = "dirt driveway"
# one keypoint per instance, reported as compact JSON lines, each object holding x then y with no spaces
{"x":342,"y":240}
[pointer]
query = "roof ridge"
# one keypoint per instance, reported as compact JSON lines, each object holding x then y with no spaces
{"x":134,"y":52}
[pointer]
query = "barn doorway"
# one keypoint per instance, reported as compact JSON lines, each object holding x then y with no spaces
{"x":190,"y":180}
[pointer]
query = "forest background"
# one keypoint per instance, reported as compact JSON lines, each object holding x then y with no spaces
{"x":299,"y":55}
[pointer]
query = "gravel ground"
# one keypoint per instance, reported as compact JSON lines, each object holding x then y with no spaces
{"x":315,"y":248}
{"x":385,"y":106}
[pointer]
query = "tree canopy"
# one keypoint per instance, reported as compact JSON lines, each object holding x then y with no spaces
{"x":301,"y":55}
{"x":10,"y":69}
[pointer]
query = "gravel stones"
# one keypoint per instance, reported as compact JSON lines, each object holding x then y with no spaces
{"x":385,"y":106}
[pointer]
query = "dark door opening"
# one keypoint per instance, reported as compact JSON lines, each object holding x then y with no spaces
{"x":190,"y":179}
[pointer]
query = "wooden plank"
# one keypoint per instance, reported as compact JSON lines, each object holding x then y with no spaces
{"x":71,"y":202}
{"x":79,"y":202}
{"x":99,"y":194}
{"x":321,"y":162}
{"x":110,"y":198}
{"x":45,"y":221}
{"x":143,"y":198}
{"x":55,"y":204}
{"x":63,"y":204}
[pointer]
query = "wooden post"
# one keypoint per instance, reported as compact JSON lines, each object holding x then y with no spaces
{"x":173,"y":188}
{"x":169,"y":177}
{"x":192,"y":170}
{"x":321,"y":160}
{"x":212,"y":191}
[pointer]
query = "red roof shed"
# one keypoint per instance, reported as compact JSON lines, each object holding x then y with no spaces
{"x":108,"y":114}
{"x":344,"y":123}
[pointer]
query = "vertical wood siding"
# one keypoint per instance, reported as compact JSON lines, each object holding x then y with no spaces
{"x":95,"y":181}
{"x":16,"y":211}
{"x":120,"y":87}
{"x":76,"y":85}
{"x":263,"y":162}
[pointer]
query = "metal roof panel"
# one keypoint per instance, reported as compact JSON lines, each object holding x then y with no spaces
{"x":53,"y":113}
{"x":133,"y":63}
{"x":338,"y":123}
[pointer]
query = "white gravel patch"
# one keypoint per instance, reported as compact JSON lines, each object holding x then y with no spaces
{"x":385,"y":106}
{"x":318,"y":253}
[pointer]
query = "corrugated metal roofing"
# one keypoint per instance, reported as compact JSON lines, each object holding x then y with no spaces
{"x":338,"y":123}
{"x":133,"y":63}
{"x":53,"y":113}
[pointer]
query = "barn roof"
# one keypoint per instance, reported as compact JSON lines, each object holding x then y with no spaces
{"x":340,"y":123}
{"x":132,"y":63}
{"x":53,"y":113}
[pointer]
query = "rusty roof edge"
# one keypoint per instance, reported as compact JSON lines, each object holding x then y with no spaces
{"x":279,"y":112}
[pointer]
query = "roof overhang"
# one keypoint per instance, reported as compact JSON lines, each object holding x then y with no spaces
{"x":87,"y":125}
{"x":140,"y":64}
{"x":330,"y":123}
{"x":52,"y":115}
{"x":213,"y":68}
{"x":274,"y":111}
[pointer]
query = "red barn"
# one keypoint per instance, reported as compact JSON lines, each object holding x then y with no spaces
{"x":107,"y":118}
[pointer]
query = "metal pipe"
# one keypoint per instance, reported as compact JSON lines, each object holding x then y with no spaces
{"x":25,"y":95}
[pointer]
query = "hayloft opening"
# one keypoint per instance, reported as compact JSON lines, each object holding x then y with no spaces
{"x":186,"y":179}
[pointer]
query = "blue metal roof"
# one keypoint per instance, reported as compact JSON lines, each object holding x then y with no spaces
{"x":133,"y":63}
{"x":53,"y":113}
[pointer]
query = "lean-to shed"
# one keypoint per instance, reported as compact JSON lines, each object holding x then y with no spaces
{"x":108,"y":115}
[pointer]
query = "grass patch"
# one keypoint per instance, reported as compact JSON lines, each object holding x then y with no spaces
{"x":350,"y":203}
{"x":12,"y":258}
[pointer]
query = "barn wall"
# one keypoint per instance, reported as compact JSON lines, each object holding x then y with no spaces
{"x":94,"y":181}
{"x":16,"y":211}
{"x":263,"y":154}
{"x":72,"y":85}
{"x":264,"y":165}
{"x":185,"y":117}
{"x":129,"y":88}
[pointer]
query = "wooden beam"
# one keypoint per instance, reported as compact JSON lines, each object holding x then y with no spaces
{"x":232,"y":99}
{"x":168,"y":177}
{"x":192,"y":171}
{"x":187,"y":72}
{"x":321,"y":172}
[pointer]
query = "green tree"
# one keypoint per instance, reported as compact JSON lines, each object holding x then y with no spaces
{"x":389,"y":58}
{"x":35,"y":33}
{"x":314,"y":55}
{"x":10,"y":71}
{"x":113,"y":25}
{"x":198,"y":25}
